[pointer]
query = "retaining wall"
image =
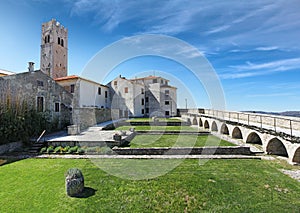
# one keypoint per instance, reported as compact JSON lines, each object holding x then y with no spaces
{"x":10,"y":147}
{"x":231,"y":150}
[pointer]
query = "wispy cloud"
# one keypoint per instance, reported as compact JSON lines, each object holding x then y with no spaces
{"x":280,"y":65}
{"x":250,"y":69}
{"x":283,"y":94}
{"x":266,"y":48}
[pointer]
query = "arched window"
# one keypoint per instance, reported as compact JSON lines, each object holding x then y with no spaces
{"x":58,"y":40}
{"x":62,"y":42}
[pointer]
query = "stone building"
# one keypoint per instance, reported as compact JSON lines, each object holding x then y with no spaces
{"x":40,"y":92}
{"x":143,"y":97}
{"x":86,"y":93}
{"x":54,"y":49}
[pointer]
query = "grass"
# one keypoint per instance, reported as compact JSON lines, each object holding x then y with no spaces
{"x":150,"y":120}
{"x":177,"y":141}
{"x":160,"y":128}
{"x":37,"y":185}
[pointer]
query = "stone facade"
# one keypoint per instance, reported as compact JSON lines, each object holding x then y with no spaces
{"x":143,"y":97}
{"x":40,"y":92}
{"x":54,"y":49}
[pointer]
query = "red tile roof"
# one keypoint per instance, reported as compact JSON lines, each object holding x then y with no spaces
{"x":67,"y":78}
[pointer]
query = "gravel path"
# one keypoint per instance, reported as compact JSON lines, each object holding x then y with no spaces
{"x":292,"y":173}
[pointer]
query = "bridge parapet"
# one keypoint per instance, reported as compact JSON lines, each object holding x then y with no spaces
{"x":287,"y":125}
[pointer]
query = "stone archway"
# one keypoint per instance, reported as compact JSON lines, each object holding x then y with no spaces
{"x":214,"y":126}
{"x":200,"y":122}
{"x":276,"y":147}
{"x":296,"y":157}
{"x":224,"y":129}
{"x":195,"y":121}
{"x":237,"y":133}
{"x":254,"y":138}
{"x":206,"y":125}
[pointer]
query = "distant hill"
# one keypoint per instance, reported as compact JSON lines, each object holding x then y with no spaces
{"x":287,"y":113}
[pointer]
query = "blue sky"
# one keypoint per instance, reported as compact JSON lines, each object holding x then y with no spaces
{"x":253,"y":46}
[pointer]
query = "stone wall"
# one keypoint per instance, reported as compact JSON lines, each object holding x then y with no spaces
{"x":29,"y":86}
{"x":234,"y":150}
{"x":87,"y":117}
{"x":10,"y":147}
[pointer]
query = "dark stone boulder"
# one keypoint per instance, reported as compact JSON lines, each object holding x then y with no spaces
{"x":74,"y":182}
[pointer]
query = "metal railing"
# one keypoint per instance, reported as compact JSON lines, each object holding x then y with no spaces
{"x":289,"y":126}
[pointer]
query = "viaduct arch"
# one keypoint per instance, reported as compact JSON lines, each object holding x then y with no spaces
{"x":250,"y":133}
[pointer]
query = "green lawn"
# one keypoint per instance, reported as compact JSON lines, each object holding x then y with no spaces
{"x":160,"y":128}
{"x":37,"y":185}
{"x":150,"y":119}
{"x":177,"y":141}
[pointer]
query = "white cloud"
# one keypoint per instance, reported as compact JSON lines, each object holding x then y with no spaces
{"x":280,"y":65}
{"x":250,"y":69}
{"x":267,"y":48}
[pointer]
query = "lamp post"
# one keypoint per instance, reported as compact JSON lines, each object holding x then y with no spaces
{"x":186,"y":103}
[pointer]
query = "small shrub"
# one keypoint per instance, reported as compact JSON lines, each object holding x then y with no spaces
{"x":106,"y":150}
{"x":73,"y":149}
{"x":91,"y":149}
{"x":58,"y":149}
{"x":66,"y":149}
{"x":50,"y":149}
{"x":43,"y":150}
{"x":80,"y":151}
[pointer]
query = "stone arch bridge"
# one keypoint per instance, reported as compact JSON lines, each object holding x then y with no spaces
{"x":277,"y":135}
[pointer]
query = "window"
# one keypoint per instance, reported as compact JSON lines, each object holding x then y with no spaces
{"x":167,"y":113}
{"x":62,"y":42}
{"x":115,"y":83}
{"x":147,"y":110}
{"x":99,"y":90}
{"x":40,"y":104}
{"x":56,"y":107}
{"x":154,"y":81}
{"x":72,"y":89}
{"x":142,"y":91}
{"x":105,"y":94}
{"x":126,"y":89}
{"x":147,"y":99}
{"x":167,"y":93}
{"x":162,"y":81}
{"x":58,"y":40}
{"x":167,"y":102}
{"x":143,"y":101}
{"x":47,"y":39}
{"x":143,"y":111}
{"x":40,"y":83}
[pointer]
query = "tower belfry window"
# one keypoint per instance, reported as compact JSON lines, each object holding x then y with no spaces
{"x":62,"y":42}
{"x":58,"y":40}
{"x":47,"y":39}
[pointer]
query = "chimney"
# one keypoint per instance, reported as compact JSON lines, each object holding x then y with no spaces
{"x":30,"y":66}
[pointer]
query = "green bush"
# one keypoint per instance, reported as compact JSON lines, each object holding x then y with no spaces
{"x":58,"y":149}
{"x":66,"y":149}
{"x":19,"y":121}
{"x":80,"y":151}
{"x":50,"y":149}
{"x":73,"y":149}
{"x":43,"y":150}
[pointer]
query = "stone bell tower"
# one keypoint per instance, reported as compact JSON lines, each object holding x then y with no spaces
{"x":54,"y":49}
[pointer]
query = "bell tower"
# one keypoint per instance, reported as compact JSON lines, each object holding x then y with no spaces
{"x":54,"y":49}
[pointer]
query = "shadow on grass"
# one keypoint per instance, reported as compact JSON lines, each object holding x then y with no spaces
{"x":86,"y":193}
